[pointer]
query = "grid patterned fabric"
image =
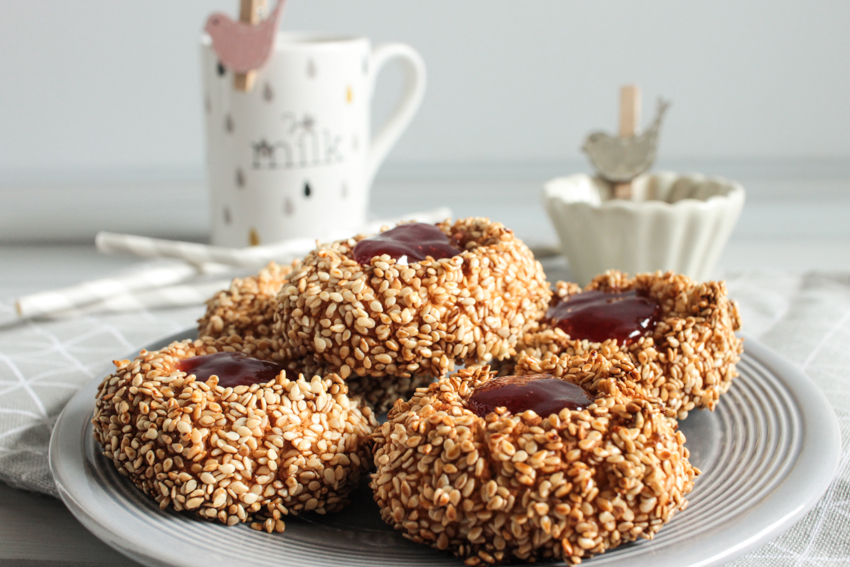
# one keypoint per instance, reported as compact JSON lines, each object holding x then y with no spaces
{"x":804,"y":317}
{"x":44,"y":363}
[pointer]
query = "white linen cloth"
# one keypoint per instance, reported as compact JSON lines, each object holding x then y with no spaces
{"x":804,"y":317}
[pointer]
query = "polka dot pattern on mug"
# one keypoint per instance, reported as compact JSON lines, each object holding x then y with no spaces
{"x":292,"y":155}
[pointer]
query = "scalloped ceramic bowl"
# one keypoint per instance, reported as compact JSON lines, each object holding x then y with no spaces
{"x":673,"y":222}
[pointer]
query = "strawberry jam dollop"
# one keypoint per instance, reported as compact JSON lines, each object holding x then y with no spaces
{"x":232,"y":369}
{"x":542,"y":393}
{"x":601,"y":315}
{"x":416,"y":241}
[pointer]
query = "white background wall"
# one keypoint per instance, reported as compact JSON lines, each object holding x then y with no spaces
{"x":99,"y":84}
{"x":101,"y":99}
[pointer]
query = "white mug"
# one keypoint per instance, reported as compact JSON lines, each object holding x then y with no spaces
{"x":294,"y":156}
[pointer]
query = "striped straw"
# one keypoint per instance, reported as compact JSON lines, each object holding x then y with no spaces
{"x":68,"y":299}
{"x":155,"y":286}
{"x":181,"y":295}
{"x":111,"y":243}
{"x":254,"y":257}
{"x":43,"y":303}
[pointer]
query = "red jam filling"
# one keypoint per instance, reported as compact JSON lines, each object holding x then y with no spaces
{"x":417,"y":241}
{"x":599,"y":315}
{"x":232,"y":369}
{"x":542,"y":393}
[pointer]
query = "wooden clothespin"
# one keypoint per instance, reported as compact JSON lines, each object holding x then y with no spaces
{"x":250,"y":12}
{"x":629,"y":121}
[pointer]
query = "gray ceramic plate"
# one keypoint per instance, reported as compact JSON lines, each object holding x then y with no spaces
{"x":768,"y":453}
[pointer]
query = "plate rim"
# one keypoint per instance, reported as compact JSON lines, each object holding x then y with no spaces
{"x":820,"y":454}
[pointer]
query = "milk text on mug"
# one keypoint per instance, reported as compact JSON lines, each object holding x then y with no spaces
{"x":294,"y":156}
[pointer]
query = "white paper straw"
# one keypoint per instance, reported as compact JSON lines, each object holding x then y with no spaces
{"x":182,"y":295}
{"x":65,"y":299}
{"x":46,"y":302}
{"x":112,"y":243}
{"x":125,"y":291}
{"x":254,"y":257}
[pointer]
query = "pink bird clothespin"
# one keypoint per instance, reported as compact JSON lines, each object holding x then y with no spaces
{"x":246,"y":45}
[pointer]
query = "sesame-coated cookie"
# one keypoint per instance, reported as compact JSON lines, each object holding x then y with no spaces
{"x":379,"y":392}
{"x":269,"y":449}
{"x":395,"y":318}
{"x":522,"y":487}
{"x":247,"y":308}
{"x":687,"y":361}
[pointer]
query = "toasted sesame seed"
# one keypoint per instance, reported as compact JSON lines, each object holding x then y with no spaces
{"x":443,"y":311}
{"x":687,"y":361}
{"x":219,"y":452}
{"x":254,"y":296}
{"x":531,"y":495}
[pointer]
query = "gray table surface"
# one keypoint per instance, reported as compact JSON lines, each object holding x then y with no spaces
{"x":793,"y":233}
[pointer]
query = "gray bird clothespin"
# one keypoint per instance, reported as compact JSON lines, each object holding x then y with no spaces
{"x":619,"y":159}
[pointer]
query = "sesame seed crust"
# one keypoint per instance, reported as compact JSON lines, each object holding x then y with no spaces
{"x":689,"y":359}
{"x":522,"y":487}
{"x":232,"y":454}
{"x":391,"y":319}
{"x":247,"y":308}
{"x":379,"y":392}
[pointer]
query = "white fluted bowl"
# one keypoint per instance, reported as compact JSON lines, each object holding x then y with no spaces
{"x":673,"y":222}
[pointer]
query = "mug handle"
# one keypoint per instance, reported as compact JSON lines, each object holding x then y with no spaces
{"x":414,"y":90}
